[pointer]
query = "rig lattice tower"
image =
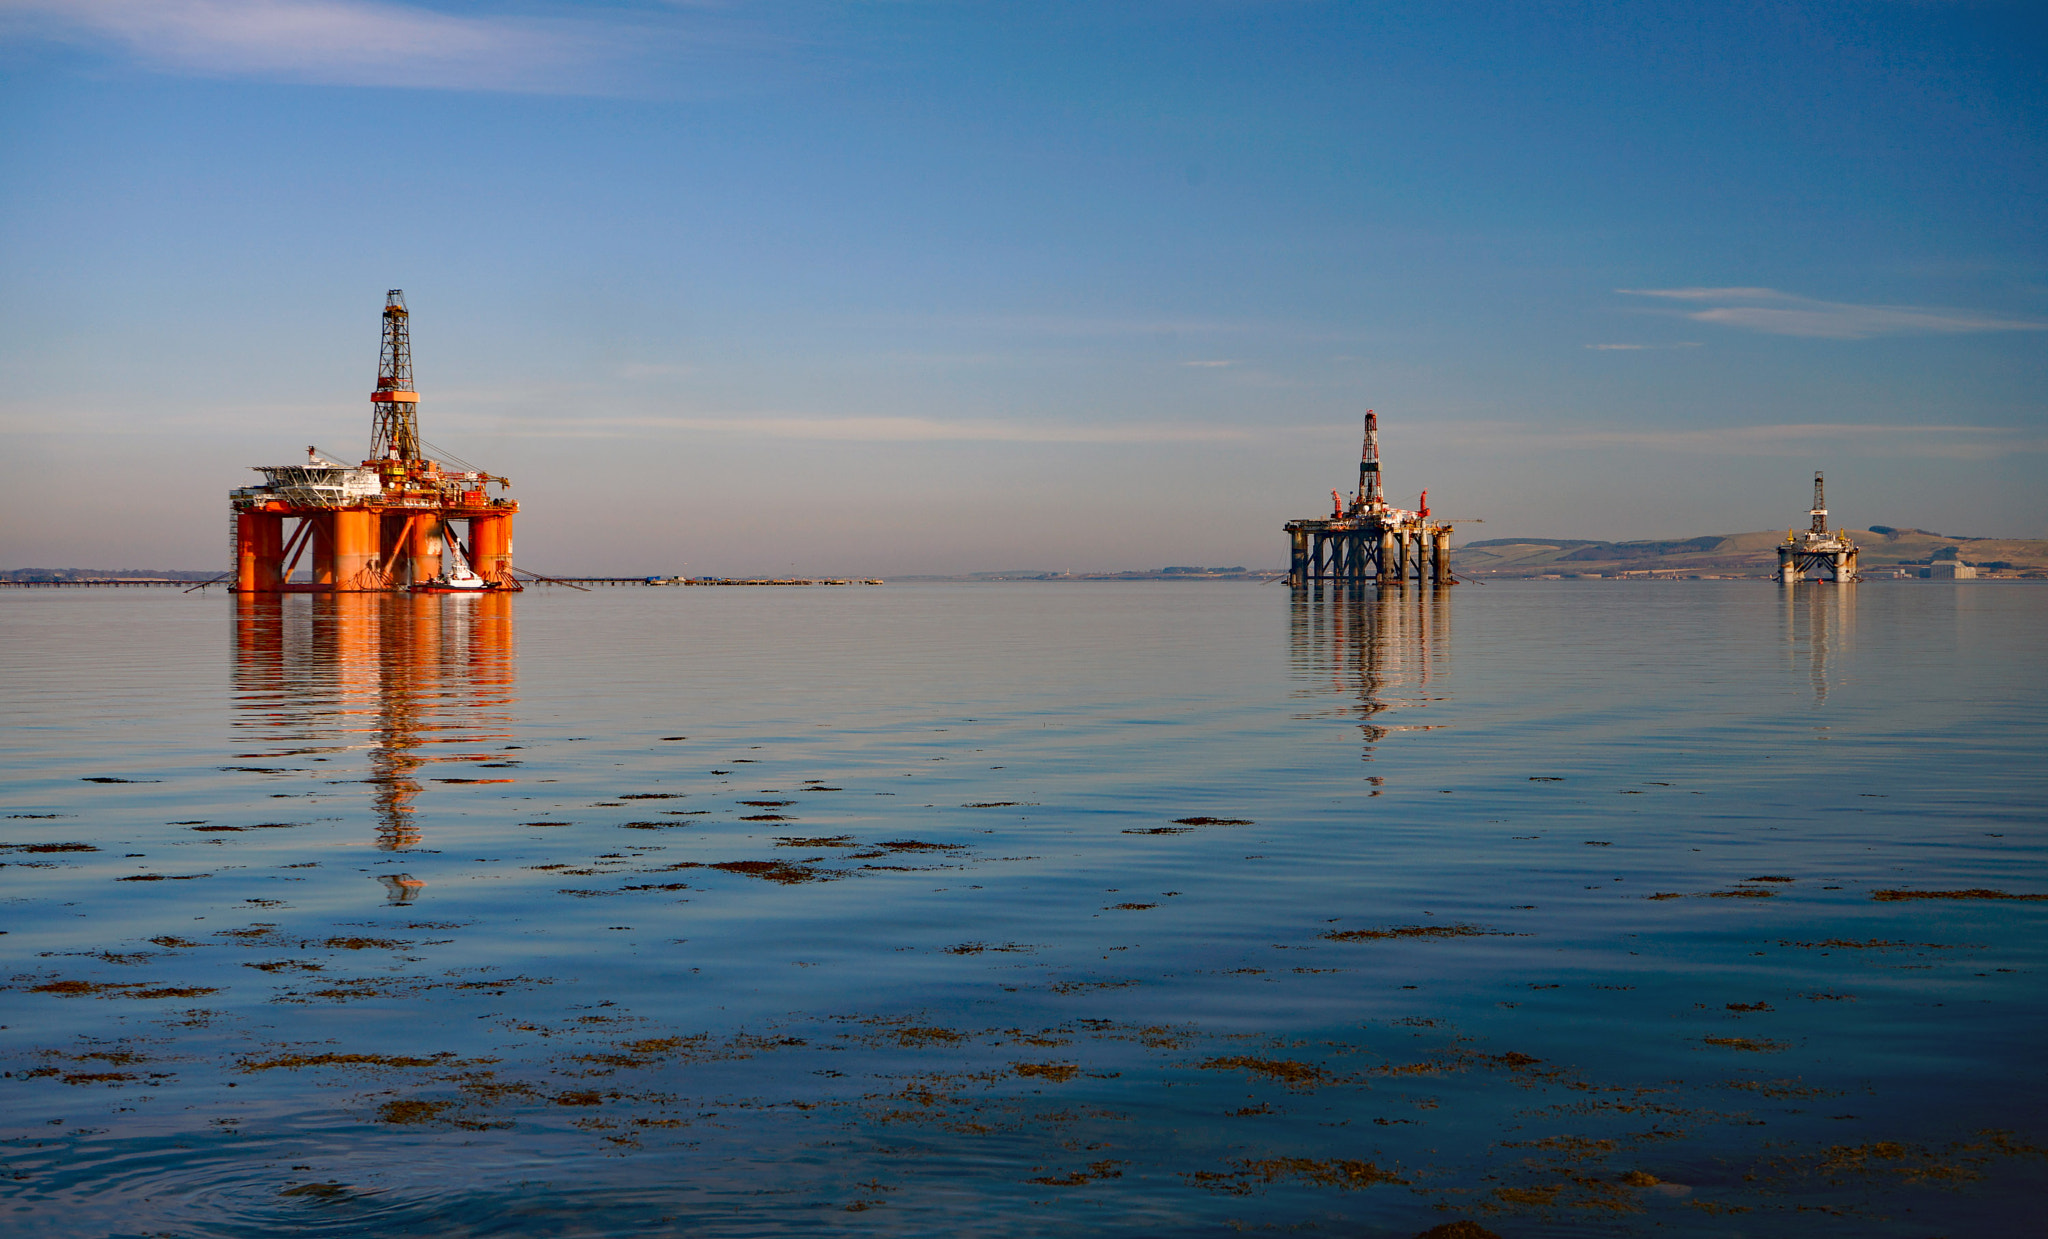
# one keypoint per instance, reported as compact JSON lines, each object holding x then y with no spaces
{"x":388,"y":523}
{"x":1817,"y":549}
{"x":1368,"y":539}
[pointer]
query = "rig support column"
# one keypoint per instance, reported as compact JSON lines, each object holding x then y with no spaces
{"x":490,"y":544}
{"x":259,"y":552}
{"x":1387,"y":558}
{"x":355,"y":550}
{"x":323,"y":549}
{"x":423,"y":550}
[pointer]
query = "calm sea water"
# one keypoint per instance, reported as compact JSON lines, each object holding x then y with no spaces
{"x":1143,"y":909}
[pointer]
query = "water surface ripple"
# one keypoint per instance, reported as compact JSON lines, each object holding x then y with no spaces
{"x":1123,"y":908}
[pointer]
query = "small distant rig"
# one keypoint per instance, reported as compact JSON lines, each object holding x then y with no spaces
{"x":1367,"y":539}
{"x":1816,"y":549}
{"x":384,"y":525}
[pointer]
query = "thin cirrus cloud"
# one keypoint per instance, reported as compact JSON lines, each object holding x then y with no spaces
{"x":1954,"y":442}
{"x":1787,"y":314}
{"x":1636,"y":347}
{"x":339,"y":42}
{"x":880,"y":429}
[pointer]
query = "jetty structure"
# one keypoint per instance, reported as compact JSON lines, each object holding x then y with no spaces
{"x":388,"y":523}
{"x":1369,"y":539}
{"x":1817,"y":549}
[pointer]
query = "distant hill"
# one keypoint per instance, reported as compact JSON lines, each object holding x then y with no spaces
{"x":1738,"y":555}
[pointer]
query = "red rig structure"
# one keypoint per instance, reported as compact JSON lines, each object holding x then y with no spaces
{"x":387,"y":524}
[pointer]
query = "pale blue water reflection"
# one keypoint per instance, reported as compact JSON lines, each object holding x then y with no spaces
{"x":1018,"y":909}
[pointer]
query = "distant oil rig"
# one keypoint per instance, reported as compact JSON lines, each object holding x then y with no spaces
{"x":384,"y":525}
{"x":1816,"y":548}
{"x":1368,"y":540}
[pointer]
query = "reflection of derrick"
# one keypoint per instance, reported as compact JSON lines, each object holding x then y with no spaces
{"x":1821,"y":621}
{"x":1375,"y":650}
{"x":391,"y":674}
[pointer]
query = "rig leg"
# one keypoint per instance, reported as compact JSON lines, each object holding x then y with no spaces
{"x":423,"y":554}
{"x":323,"y":549}
{"x":490,"y":543}
{"x":259,"y":552}
{"x":355,"y":550}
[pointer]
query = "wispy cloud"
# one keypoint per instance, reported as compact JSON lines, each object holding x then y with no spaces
{"x":339,"y":42}
{"x":1208,"y":364}
{"x":1634,"y":347}
{"x":874,"y":429}
{"x":1786,"y":314}
{"x":1842,"y":438}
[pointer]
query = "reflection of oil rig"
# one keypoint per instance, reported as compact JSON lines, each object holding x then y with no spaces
{"x":1368,"y":653}
{"x":1369,"y":540}
{"x":416,"y":683}
{"x":385,"y":524}
{"x":1817,"y":549}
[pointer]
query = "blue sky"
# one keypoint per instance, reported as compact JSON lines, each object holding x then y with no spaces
{"x":901,"y":287}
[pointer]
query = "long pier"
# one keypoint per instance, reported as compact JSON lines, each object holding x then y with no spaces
{"x":136,"y":583}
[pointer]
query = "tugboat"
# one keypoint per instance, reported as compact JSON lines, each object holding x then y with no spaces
{"x":458,"y":577}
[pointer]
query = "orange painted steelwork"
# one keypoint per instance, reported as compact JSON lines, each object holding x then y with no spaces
{"x":384,"y":524}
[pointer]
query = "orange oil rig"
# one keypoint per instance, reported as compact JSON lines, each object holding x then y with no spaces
{"x":386,"y":524}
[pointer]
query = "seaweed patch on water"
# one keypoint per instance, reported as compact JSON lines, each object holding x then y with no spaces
{"x":1058,"y":1073}
{"x":1872,"y":944}
{"x":1952,"y":1165}
{"x":1752,"y":1045}
{"x":1213,"y":821}
{"x":1894,"y":896}
{"x":1251,"y":1174}
{"x":400,"y":987}
{"x":42,"y":848}
{"x":1295,"y":1075}
{"x":775,"y":871}
{"x":1781,"y":1090}
{"x":1096,"y":1172}
{"x":1416,"y":931}
{"x":121,"y":989}
{"x":296,"y":1061}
